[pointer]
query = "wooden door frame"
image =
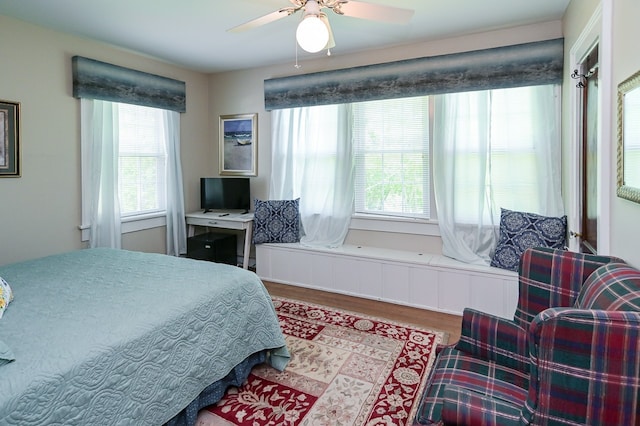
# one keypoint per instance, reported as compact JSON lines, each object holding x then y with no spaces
{"x":597,"y":31}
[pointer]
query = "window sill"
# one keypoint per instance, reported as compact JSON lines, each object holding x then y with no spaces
{"x":394,"y":224}
{"x":134,"y":224}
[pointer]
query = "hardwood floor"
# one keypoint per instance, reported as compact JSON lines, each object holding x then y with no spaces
{"x":423,"y":318}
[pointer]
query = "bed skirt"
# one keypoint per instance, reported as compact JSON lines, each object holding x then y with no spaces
{"x":215,"y":391}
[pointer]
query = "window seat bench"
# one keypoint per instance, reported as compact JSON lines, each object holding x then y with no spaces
{"x":421,"y":280}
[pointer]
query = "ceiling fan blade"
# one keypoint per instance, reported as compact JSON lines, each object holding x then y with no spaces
{"x":376,"y":12}
{"x":263,"y":20}
{"x":331,"y":43}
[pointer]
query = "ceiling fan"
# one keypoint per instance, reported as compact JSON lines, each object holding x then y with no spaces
{"x":314,"y":32}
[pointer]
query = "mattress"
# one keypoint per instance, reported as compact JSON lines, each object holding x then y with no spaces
{"x":104,"y":336}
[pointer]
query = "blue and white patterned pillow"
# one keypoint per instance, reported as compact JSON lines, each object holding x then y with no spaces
{"x":276,"y":221}
{"x":519,"y":231}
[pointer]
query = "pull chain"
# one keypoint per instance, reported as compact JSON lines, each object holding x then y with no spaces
{"x":297,"y":66}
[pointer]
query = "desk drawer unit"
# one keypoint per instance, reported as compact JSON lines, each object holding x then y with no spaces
{"x":216,"y":223}
{"x":215,"y":247}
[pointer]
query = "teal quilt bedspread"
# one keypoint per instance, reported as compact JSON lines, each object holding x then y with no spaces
{"x":105,"y":336}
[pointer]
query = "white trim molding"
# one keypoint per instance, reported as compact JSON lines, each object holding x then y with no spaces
{"x":133,"y":224}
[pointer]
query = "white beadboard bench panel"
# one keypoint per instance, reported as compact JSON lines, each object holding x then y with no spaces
{"x":422,"y":280}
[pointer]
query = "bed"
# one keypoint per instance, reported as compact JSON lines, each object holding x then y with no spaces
{"x":103,"y":336}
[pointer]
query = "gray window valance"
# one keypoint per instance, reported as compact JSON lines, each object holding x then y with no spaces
{"x":99,"y":80}
{"x":511,"y":66}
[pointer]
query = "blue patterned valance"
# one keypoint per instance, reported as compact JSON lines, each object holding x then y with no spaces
{"x":511,"y":66}
{"x":99,"y":80}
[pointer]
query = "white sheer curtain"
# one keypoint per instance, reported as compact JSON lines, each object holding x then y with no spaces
{"x":176,"y":226}
{"x":494,"y":149}
{"x":100,"y":192}
{"x":312,"y":160}
{"x":99,"y":144}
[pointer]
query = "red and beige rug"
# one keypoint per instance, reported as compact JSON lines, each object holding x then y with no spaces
{"x":345,"y":369}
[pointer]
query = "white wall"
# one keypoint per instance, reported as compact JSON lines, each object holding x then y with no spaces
{"x":243,"y":92}
{"x":40,"y":211}
{"x":625,"y":215}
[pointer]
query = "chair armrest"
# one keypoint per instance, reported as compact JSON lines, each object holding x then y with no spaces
{"x":551,"y":278}
{"x":584,"y":367}
{"x":461,"y":406}
{"x":494,"y":339}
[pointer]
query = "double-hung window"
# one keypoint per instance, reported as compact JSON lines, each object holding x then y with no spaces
{"x":142,"y":162}
{"x":498,"y":148}
{"x":125,"y":174}
{"x":391,"y":151}
{"x":495,"y":137}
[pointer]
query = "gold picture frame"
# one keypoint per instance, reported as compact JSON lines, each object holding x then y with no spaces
{"x":9,"y":139}
{"x":238,"y":145}
{"x":628,"y":162}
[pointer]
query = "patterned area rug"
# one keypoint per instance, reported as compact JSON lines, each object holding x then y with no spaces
{"x":345,"y":369}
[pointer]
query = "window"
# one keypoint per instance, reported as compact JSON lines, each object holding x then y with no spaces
{"x":498,"y":141}
{"x":128,"y":153}
{"x":142,"y":160}
{"x":494,"y":149}
{"x":391,"y":150}
{"x":514,"y":139}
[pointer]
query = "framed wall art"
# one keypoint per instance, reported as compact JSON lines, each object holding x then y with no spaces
{"x":9,"y":139}
{"x":238,"y":142}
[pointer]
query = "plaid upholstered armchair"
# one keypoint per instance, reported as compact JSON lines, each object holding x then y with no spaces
{"x":571,"y":355}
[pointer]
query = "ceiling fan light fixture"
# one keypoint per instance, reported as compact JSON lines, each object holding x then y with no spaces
{"x":312,"y":34}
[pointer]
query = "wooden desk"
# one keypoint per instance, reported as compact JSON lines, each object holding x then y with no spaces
{"x":227,"y":220}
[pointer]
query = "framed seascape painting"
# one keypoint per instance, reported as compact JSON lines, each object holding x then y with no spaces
{"x":238,"y":145}
{"x":9,"y":139}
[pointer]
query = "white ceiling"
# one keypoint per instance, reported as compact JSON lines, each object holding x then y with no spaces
{"x":193,"y":33}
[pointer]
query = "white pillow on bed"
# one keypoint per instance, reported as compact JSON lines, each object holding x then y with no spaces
{"x":6,"y":295}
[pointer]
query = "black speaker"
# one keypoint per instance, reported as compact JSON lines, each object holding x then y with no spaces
{"x":214,"y":247}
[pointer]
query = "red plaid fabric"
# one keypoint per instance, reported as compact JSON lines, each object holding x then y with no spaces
{"x":611,"y":288}
{"x":494,"y":339}
{"x":552,"y":278}
{"x":554,"y":364}
{"x":465,"y":407}
{"x":584,"y":368}
{"x":458,"y":372}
